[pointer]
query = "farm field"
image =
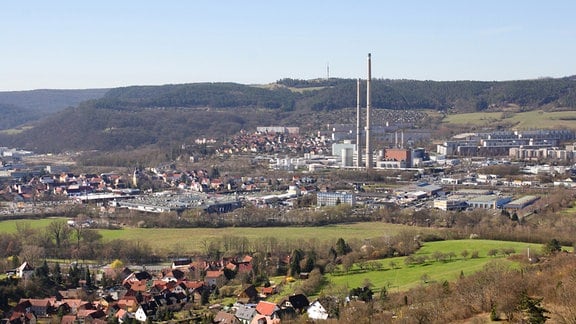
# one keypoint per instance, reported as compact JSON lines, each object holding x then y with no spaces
{"x":404,"y":277}
{"x":520,"y":120}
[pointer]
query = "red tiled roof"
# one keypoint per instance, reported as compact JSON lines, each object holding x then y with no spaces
{"x":83,"y":313}
{"x":266,"y":308}
{"x":139,"y":286}
{"x":214,"y":273}
{"x":194,"y":284}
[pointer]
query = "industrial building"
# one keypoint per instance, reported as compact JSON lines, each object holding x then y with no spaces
{"x":335,"y":198}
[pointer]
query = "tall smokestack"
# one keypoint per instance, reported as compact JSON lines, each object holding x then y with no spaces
{"x":358,"y":131}
{"x":368,"y":147}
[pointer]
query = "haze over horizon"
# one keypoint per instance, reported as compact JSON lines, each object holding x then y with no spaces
{"x":77,"y":45}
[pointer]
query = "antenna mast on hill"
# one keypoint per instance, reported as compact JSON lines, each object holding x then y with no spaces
{"x":327,"y":70}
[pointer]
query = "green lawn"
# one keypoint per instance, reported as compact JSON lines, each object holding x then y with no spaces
{"x":404,"y":277}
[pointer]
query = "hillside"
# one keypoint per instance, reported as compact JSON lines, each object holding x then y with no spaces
{"x":20,"y":107}
{"x":132,"y":117}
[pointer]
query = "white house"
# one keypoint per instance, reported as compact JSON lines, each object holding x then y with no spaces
{"x":24,"y":271}
{"x":140,"y":315}
{"x":316,"y":311}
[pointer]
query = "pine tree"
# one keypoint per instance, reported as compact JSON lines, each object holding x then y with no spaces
{"x":57,"y":274}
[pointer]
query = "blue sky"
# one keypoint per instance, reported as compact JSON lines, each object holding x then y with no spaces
{"x":105,"y":43}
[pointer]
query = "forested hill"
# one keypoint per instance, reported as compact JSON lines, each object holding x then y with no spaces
{"x":461,"y":96}
{"x":49,"y":101}
{"x":20,"y":107}
{"x":290,"y":94}
{"x":131,"y":117}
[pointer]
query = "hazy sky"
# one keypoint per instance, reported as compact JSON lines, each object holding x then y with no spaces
{"x":109,"y":43}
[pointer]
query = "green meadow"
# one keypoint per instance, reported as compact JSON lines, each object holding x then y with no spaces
{"x":191,"y":240}
{"x":402,"y":277}
{"x":10,"y":226}
{"x":520,"y":120}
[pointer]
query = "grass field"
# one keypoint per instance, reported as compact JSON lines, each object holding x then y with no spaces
{"x":403,"y":277}
{"x":9,"y":226}
{"x":520,"y":120}
{"x":190,"y":240}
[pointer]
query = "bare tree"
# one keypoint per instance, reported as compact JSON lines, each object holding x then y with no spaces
{"x":59,"y":231}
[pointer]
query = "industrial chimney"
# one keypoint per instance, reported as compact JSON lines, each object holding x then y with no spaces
{"x":368,"y":147}
{"x":358,"y":132}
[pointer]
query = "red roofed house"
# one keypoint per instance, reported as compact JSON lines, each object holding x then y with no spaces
{"x":215,"y":278}
{"x":267,"y":308}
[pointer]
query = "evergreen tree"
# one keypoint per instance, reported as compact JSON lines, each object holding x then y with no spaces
{"x":74,"y":275}
{"x":88,"y":278}
{"x":342,"y":248}
{"x":57,"y":274}
{"x":310,"y":261}
{"x":295,"y":259}
{"x":533,"y":308}
{"x":42,"y":273}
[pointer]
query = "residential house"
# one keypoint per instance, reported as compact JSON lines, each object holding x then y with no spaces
{"x":137,"y":276}
{"x":68,"y":319}
{"x":299,"y":302}
{"x":194,"y":290}
{"x":89,"y":315}
{"x":263,"y":319}
{"x":141,"y":315}
{"x":40,"y":307}
{"x":245,"y":313}
{"x":174,"y":275}
{"x":22,"y":318}
{"x":215,"y":278}
{"x":316,"y":311}
{"x":225,"y":318}
{"x":24,"y":271}
{"x":129,"y":303}
{"x":267,"y":308}
{"x":268,"y":291}
{"x":75,"y":304}
{"x":248,"y":294}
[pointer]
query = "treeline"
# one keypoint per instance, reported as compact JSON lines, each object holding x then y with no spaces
{"x":214,"y":95}
{"x":462,"y":96}
{"x":60,"y":241}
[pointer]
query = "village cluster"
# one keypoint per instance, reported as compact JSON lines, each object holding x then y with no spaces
{"x":185,"y":285}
